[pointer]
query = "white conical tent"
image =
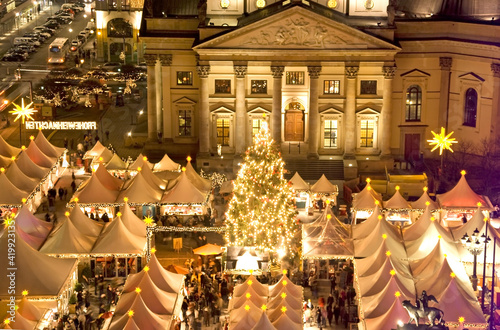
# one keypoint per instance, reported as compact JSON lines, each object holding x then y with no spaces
{"x":431,"y":263}
{"x":10,"y":194}
{"x":323,"y":186}
{"x":144,"y":318}
{"x":96,"y":150}
{"x":461,"y":196}
{"x":284,"y":299}
{"x":67,"y":239}
{"x":245,"y":318}
{"x":19,"y":179}
{"x":34,"y":241}
{"x":285,"y":323}
{"x":397,"y":201}
{"x":361,"y":230}
{"x":293,"y":313}
{"x":140,"y":161}
{"x":132,"y":222}
{"x":203,"y":185}
{"x":166,"y":164}
{"x":371,"y":264}
{"x":382,"y":232}
{"x":93,"y":191}
{"x":264,"y":323}
{"x":130,"y":325}
{"x":116,"y":164}
{"x":421,"y":203}
{"x":315,"y":227}
{"x":476,"y":221}
{"x":285,"y":284}
{"x":423,"y":245}
{"x":117,"y":239}
{"x":154,"y":181}
{"x":46,"y":147}
{"x":249,"y":296}
{"x":107,"y":180}
{"x":332,"y":240}
{"x":6,"y":161}
{"x":416,"y":229}
{"x":84,"y":224}
{"x":28,"y":167}
{"x":33,"y":230}
{"x":298,"y":184}
{"x":105,"y":156}
{"x":184,"y":192}
{"x":28,"y":310}
{"x":41,"y":275}
{"x":140,"y":191}
{"x":20,"y":322}
{"x":260,"y":289}
{"x":7,"y":150}
{"x":388,"y":320}
{"x":38,"y":157}
{"x":366,"y":198}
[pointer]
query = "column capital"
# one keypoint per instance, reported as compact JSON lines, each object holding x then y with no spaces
{"x":495,"y":68}
{"x":150,"y":59}
{"x":351,"y":72}
{"x":166,"y":59}
{"x":277,"y":71}
{"x":389,"y":71}
{"x":314,"y":71}
{"x":203,"y":70}
{"x":240,"y":71}
{"x":445,"y":63}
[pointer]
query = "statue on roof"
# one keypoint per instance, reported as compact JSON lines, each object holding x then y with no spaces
{"x":433,"y":316}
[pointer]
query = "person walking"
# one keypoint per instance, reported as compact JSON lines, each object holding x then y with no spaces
{"x":319,"y":318}
{"x":329,"y":313}
{"x":336,"y":313}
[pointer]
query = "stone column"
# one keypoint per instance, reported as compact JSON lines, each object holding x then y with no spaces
{"x":444,"y":95}
{"x":351,"y":73}
{"x":314,"y":132}
{"x":495,"y":107}
{"x":240,"y":72}
{"x":166,"y":115}
{"x":276,"y":114}
{"x":385,"y":129}
{"x":151,"y":67}
{"x":204,"y":128}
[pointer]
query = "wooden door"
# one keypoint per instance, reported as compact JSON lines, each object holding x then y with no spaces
{"x":294,"y":126}
{"x":412,"y":146}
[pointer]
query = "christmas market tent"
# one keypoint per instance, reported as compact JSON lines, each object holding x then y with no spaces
{"x":245,"y":318}
{"x":371,"y":264}
{"x":388,"y":320}
{"x":382,"y":232}
{"x":107,"y":179}
{"x":28,"y":310}
{"x":116,"y":164}
{"x":84,"y":224}
{"x":19,"y":179}
{"x":421,"y":203}
{"x":96,"y":150}
{"x":43,"y":276}
{"x":285,"y":283}
{"x":323,"y":186}
{"x":67,"y":239}
{"x":93,"y":191}
{"x":9,"y":194}
{"x":166,"y":164}
{"x":298,"y":184}
{"x":5,"y":161}
{"x":38,"y":157}
{"x":432,"y":263}
{"x":285,"y":323}
{"x":397,"y":201}
{"x":140,"y":191}
{"x":226,"y":187}
{"x":117,"y":239}
{"x":30,"y":226}
{"x":7,"y":150}
{"x":363,"y":201}
{"x":28,"y":167}
{"x":30,"y":239}
{"x":295,"y":314}
{"x":249,"y":296}
{"x":143,"y":316}
{"x":315,"y":227}
{"x":105,"y":156}
{"x":294,"y":302}
{"x":184,"y":192}
{"x":261,"y":289}
{"x":152,"y":179}
{"x":208,"y":249}
{"x":20,"y":322}
{"x":48,"y":148}
{"x":462,"y":196}
{"x":416,"y":229}
{"x":141,"y":161}
{"x":203,"y":185}
{"x":130,"y":325}
{"x":132,"y":222}
{"x":361,"y":230}
{"x":263,"y":323}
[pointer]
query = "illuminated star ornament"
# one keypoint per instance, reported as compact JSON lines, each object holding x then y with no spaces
{"x":442,"y":141}
{"x":23,"y":112}
{"x":149,"y":221}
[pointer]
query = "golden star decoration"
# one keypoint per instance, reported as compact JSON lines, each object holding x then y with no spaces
{"x":442,"y":141}
{"x":23,"y":112}
{"x":149,"y":221}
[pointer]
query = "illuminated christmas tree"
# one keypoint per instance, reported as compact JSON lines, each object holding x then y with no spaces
{"x":261,"y":212}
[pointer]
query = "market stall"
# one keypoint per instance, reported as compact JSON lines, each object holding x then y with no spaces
{"x":324,"y":189}
{"x":398,"y":210}
{"x":302,"y":194}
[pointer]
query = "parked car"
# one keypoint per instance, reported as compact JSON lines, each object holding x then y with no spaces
{"x":85,"y":35}
{"x":52,"y":24}
{"x":67,"y":16}
{"x":11,"y":57}
{"x":75,"y":44}
{"x":35,"y":36}
{"x":81,"y":38}
{"x":27,"y":48}
{"x":44,"y":29}
{"x":15,"y":50}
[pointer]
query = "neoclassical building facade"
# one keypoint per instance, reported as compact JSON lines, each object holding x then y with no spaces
{"x":355,"y":80}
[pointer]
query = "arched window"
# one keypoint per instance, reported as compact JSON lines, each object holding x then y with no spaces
{"x":470,"y":109}
{"x":413,"y":103}
{"x":119,"y":28}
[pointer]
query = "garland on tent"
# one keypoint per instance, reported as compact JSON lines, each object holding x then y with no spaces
{"x":216,"y":178}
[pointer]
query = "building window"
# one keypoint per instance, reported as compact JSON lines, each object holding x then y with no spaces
{"x":470,"y":111}
{"x":330,"y":136}
{"x":256,"y":125}
{"x":366,"y":133}
{"x":369,"y":87}
{"x":331,"y":87}
{"x":184,"y":78}
{"x":223,"y":131}
{"x":295,"y":78}
{"x":259,"y":86}
{"x":413,"y":103}
{"x":223,"y":86}
{"x":184,"y":122}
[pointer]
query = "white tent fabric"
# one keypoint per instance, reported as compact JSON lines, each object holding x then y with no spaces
{"x":130,"y":325}
{"x":154,"y":181}
{"x":105,"y":156}
{"x":365,"y":247}
{"x":315,"y":227}
{"x":132,"y":222}
{"x":5,"y":161}
{"x":461,"y":196}
{"x":184,"y":192}
{"x":140,"y":191}
{"x":298,"y":184}
{"x":10,"y":194}
{"x":140,"y":161}
{"x":28,"y":310}
{"x":294,"y":302}
{"x":420,"y":204}
{"x":420,"y":247}
{"x":366,"y":198}
{"x":264,"y":323}
{"x":294,"y":314}
{"x":96,"y":150}
{"x":416,"y":229}
{"x":241,"y":301}
{"x":28,"y":167}
{"x":203,"y":185}
{"x":166,"y":164}
{"x":19,"y":179}
{"x":245,"y":319}
{"x":285,"y":284}
{"x":285,"y":323}
{"x":144,"y":317}
{"x":93,"y":191}
{"x":34,"y":241}
{"x":116,"y":164}
{"x":84,"y":224}
{"x":387,"y":320}
{"x":38,"y":157}
{"x":117,"y":239}
{"x":7,"y":150}
{"x":259,"y":288}
{"x":397,"y":202}
{"x":108,"y":180}
{"x":331,"y":239}
{"x":46,"y":147}
{"x":41,"y":275}
{"x":323,"y":186}
{"x":33,"y":230}
{"x":361,"y":230}
{"x":67,"y":239}
{"x":431,"y":263}
{"x":371,"y":264}
{"x":20,"y":322}
{"x":477,"y":221}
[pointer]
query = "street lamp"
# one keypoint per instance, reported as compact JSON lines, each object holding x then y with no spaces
{"x":474,"y":246}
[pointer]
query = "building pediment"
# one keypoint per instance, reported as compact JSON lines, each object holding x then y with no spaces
{"x":471,"y":76}
{"x":299,"y":29}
